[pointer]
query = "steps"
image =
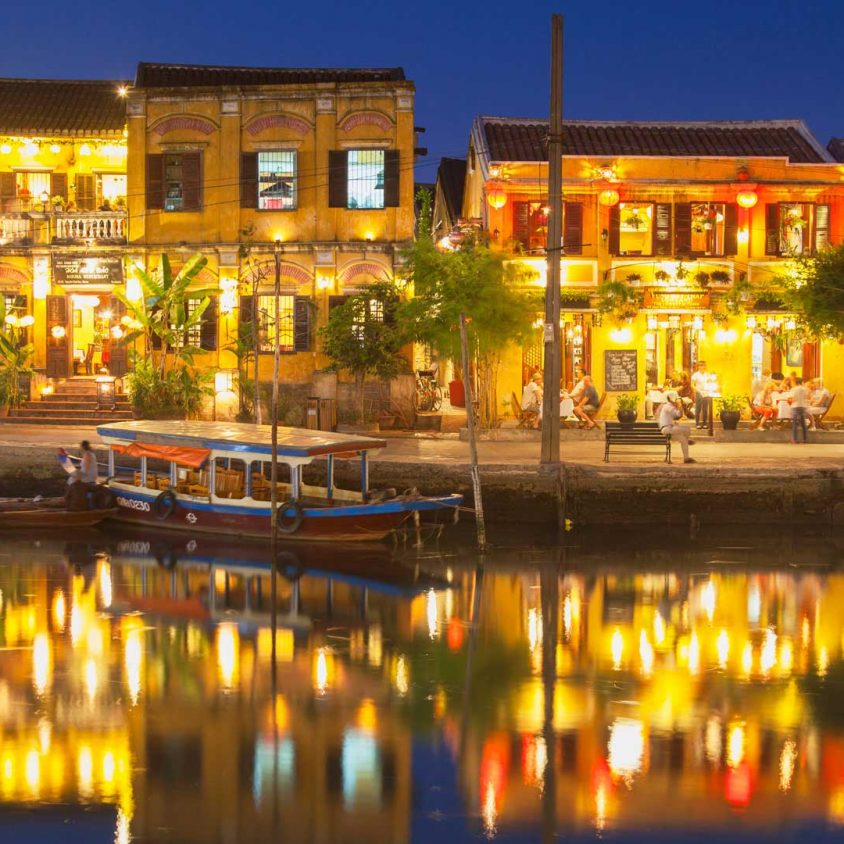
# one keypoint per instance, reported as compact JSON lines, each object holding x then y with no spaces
{"x":74,"y":402}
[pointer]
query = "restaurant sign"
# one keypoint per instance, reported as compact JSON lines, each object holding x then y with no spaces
{"x":620,"y":372}
{"x":71,"y":269}
{"x":666,"y":300}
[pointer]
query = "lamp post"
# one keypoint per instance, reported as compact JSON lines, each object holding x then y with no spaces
{"x":45,"y":198}
{"x":274,"y":421}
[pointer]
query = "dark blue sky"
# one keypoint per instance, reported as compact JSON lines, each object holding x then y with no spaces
{"x":650,"y":59}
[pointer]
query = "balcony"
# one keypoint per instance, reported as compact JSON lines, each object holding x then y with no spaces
{"x":102,"y":227}
{"x":15,"y":229}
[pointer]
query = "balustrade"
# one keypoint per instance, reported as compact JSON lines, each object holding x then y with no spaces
{"x":14,"y":228}
{"x":100,"y":226}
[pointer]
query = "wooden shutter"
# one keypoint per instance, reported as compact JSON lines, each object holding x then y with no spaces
{"x":191,"y":180}
{"x":338,"y":178}
{"x":85,"y":195}
{"x":155,"y":181}
{"x":58,"y":365}
{"x":614,"y":243}
{"x":336,"y":302}
{"x":821,"y":240}
{"x":58,"y":185}
{"x":731,"y":229}
{"x":391,"y":178}
{"x":772,"y":228}
{"x":301,"y":324}
{"x":8,"y":191}
{"x":573,"y":228}
{"x":246,"y":310}
{"x":682,"y":229}
{"x":521,"y":222}
{"x":118,"y":353}
{"x":662,"y":230}
{"x":208,"y":327}
{"x":249,"y":180}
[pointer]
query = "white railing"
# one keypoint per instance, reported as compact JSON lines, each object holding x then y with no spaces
{"x":14,"y":228}
{"x":96,"y":225}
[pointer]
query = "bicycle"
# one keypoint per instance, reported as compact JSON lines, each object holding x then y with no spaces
{"x":429,"y":395}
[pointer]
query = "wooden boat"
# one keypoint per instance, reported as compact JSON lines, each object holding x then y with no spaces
{"x":214,"y":477}
{"x":47,"y":513}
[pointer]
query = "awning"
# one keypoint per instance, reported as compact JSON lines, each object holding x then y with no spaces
{"x":182,"y":455}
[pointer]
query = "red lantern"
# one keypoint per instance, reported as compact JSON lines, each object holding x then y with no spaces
{"x":495,"y":195}
{"x":747,"y":198}
{"x":608,"y":197}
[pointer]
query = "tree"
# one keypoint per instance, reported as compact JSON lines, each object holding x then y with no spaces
{"x":478,"y":282}
{"x":15,"y":358}
{"x":363,"y":337}
{"x":814,"y":289}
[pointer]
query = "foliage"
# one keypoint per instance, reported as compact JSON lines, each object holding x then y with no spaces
{"x":703,"y":279}
{"x":627,"y":401}
{"x":720,"y":276}
{"x":634,"y":278}
{"x":363,"y":337}
{"x":814,"y":289}
{"x":15,"y":360}
{"x":476,"y":281}
{"x":619,"y":300}
{"x":736,"y":299}
{"x":731,"y":401}
{"x":178,"y":393}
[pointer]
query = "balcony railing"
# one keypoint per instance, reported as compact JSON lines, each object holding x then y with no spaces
{"x":90,"y":227}
{"x":15,"y":229}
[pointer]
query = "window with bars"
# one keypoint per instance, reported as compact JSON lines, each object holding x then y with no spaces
{"x":365,"y":178}
{"x":366,"y":313}
{"x":267,"y":327}
{"x":193,"y":336}
{"x":277,"y":180}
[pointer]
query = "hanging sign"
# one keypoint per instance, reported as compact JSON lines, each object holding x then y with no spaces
{"x":71,"y":269}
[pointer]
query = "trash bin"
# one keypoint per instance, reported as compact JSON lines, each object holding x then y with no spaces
{"x":312,"y":414}
{"x":457,"y":393}
{"x":327,"y":414}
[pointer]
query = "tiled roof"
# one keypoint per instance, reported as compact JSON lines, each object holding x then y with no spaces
{"x":525,"y":140}
{"x":61,"y":107}
{"x":836,"y":148}
{"x":152,"y":75}
{"x":451,"y":176}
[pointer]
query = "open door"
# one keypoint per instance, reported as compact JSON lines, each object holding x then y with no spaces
{"x":58,"y":346}
{"x":118,"y":353}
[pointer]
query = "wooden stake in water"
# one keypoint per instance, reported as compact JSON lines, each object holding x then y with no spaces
{"x":473,"y":445}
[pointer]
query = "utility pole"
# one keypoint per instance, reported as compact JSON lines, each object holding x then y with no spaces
{"x":274,"y":420}
{"x":551,"y":396}
{"x":473,"y":445}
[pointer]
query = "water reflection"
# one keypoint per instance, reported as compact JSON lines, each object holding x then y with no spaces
{"x":146,"y":692}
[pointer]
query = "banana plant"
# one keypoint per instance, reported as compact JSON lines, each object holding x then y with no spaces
{"x":15,"y":360}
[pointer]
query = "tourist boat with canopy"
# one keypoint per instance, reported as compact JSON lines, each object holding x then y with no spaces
{"x":216,"y":477}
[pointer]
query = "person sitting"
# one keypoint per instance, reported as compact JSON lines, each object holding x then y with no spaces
{"x":764,"y":406}
{"x":587,"y":405}
{"x":532,"y":398}
{"x":819,"y":399}
{"x":669,"y":413}
{"x":760,"y":383}
{"x":686,"y":394}
{"x":83,"y":479}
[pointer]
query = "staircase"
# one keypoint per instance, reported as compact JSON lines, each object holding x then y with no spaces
{"x":73,"y":403}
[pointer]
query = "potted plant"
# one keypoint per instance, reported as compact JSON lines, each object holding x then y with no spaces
{"x":58,"y":202}
{"x":730,"y":407}
{"x":627,"y":405}
{"x":703,"y":279}
{"x":720,"y":277}
{"x":634,"y":279}
{"x":661,"y":277}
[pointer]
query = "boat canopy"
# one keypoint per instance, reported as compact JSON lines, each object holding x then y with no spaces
{"x":235,"y":437}
{"x":193,"y":458}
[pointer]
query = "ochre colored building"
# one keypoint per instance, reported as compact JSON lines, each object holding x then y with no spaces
{"x":683,"y":212}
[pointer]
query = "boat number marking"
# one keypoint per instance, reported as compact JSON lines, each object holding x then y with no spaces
{"x":190,"y":518}
{"x":133,"y":503}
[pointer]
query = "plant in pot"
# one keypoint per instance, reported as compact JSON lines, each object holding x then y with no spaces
{"x":720,"y":277}
{"x":627,"y":405}
{"x":730,"y":407}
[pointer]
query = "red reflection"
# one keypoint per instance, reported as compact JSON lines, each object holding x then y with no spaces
{"x":495,"y":763}
{"x":455,"y":634}
{"x":738,"y":786}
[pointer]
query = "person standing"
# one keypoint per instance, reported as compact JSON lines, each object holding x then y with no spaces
{"x":799,"y":404}
{"x":702,"y":404}
{"x":83,"y":478}
{"x":669,"y":413}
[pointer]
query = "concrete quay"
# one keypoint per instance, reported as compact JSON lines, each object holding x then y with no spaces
{"x":752,"y":482}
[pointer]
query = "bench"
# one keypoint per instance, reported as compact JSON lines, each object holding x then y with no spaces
{"x":637,"y":434}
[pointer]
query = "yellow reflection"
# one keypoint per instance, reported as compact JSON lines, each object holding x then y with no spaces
{"x":823,"y":662}
{"x":735,"y":744}
{"x":626,"y":747}
{"x":104,"y":580}
{"x":747,"y":659}
{"x":59,"y":609}
{"x":836,"y":807}
{"x":122,"y":833}
{"x":42,"y":659}
{"x":401,"y":681}
{"x":85,"y":771}
{"x":375,"y":646}
{"x":440,"y":702}
{"x":228,"y":653}
{"x":659,"y":629}
{"x":617,"y":648}
{"x":8,"y":774}
{"x":91,"y":678}
{"x":694,"y":654}
{"x":32,"y":772}
{"x":601,"y":806}
{"x":75,"y":624}
{"x":707,"y":599}
{"x":44,"y":733}
{"x":284,"y":644}
{"x":534,"y":629}
{"x":367,"y":717}
{"x":567,"y":616}
{"x":431,"y":612}
{"x":489,"y":811}
{"x":788,"y":757}
{"x":768,"y":653}
{"x":646,"y":654}
{"x":712,"y":740}
{"x":786,"y":658}
{"x":133,"y":656}
{"x":723,"y":647}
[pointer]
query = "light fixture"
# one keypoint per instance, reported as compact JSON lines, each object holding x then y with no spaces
{"x":791,"y":325}
{"x":55,"y":149}
{"x":324,"y":282}
{"x":228,"y":295}
{"x":697,"y":323}
{"x":26,"y":321}
{"x":495,"y":195}
{"x":30,"y":149}
{"x":621,"y":335}
{"x":747,"y":198}
{"x":11,"y":320}
{"x":652,"y":322}
{"x":133,"y":289}
{"x":58,"y":331}
{"x":45,"y":198}
{"x":117,"y":332}
{"x":122,"y":90}
{"x":750,"y":322}
{"x":224,"y":381}
{"x":743,"y":235}
{"x":5,"y":148}
{"x":608,"y":197}
{"x":85,"y":149}
{"x":105,"y":392}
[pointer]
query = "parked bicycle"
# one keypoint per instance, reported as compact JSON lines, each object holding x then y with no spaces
{"x":429,"y":395}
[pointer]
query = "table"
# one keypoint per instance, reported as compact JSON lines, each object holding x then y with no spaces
{"x":782,"y":402}
{"x":566,"y":408}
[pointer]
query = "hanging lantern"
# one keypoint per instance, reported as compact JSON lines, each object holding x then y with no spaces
{"x":495,"y":195}
{"x":652,"y":322}
{"x":747,"y":198}
{"x":608,"y":197}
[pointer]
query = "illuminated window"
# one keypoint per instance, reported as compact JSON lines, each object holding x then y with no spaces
{"x":795,"y":227}
{"x":32,"y":184}
{"x":111,"y":189}
{"x":366,"y":178}
{"x":173,"y":183}
{"x":635,"y":228}
{"x":708,"y":228}
{"x":277,"y":180}
{"x":266,"y":323}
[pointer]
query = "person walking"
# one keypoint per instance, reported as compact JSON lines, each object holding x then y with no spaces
{"x":701,"y":395}
{"x":669,"y":413}
{"x":799,"y":405}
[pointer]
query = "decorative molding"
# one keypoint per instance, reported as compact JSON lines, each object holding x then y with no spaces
{"x":230,"y":107}
{"x":13,"y":274}
{"x":324,"y":104}
{"x":289,"y":271}
{"x":136,"y":108}
{"x":365,"y":268}
{"x":278,"y":121}
{"x":228,"y":259}
{"x":184,"y":123}
{"x":366,"y":118}
{"x":404,"y":102}
{"x":324,"y":257}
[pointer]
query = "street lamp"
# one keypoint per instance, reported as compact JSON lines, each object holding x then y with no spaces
{"x":45,"y":198}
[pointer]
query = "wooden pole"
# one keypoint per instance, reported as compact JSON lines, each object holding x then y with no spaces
{"x":473,"y":445}
{"x":274,"y":420}
{"x":550,"y":452}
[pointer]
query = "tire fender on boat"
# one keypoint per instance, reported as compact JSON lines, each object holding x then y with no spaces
{"x":298,"y":516}
{"x":164,"y":505}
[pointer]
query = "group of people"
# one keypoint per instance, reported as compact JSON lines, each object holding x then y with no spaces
{"x":780,"y":397}
{"x":584,"y":397}
{"x":692,"y":390}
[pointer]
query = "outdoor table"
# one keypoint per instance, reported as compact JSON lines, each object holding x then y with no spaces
{"x":566,"y":407}
{"x":782,"y":402}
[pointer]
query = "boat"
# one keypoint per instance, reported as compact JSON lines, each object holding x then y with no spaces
{"x":47,"y":513}
{"x":215,"y":477}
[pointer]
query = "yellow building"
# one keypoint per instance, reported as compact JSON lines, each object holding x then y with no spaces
{"x":681,"y":212}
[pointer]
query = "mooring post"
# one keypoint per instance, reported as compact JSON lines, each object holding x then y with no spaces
{"x":473,"y":445}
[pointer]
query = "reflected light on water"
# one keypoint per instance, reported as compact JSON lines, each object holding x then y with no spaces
{"x":401,"y":681}
{"x":788,"y":758}
{"x":58,"y":610}
{"x":626,"y":748}
{"x":823,"y":661}
{"x":41,"y":663}
{"x":722,"y":645}
{"x":228,"y":654}
{"x":431,"y":613}
{"x":75,"y":624}
{"x":32,"y":772}
{"x":735,"y":744}
{"x":567,"y":616}
{"x":747,"y":659}
{"x":91,"y":679}
{"x":374,"y":645}
{"x":85,"y":771}
{"x":489,"y":811}
{"x":617,"y":649}
{"x":754,"y":603}
{"x":321,"y":672}
{"x":122,"y":829}
{"x":712,"y":740}
{"x":104,"y":580}
{"x":768,"y":653}
{"x":646,"y":654}
{"x":132,"y":660}
{"x":534,"y":626}
{"x":707,"y":599}
{"x":786,"y":657}
{"x":659,"y":629}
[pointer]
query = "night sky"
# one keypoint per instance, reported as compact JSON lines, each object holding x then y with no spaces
{"x":649,"y":59}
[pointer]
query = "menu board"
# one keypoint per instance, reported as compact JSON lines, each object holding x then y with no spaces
{"x":620,"y":375}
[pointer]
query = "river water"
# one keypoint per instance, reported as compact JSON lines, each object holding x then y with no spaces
{"x":650,"y":688}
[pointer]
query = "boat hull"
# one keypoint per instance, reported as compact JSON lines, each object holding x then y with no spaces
{"x":49,"y":516}
{"x":342,"y":523}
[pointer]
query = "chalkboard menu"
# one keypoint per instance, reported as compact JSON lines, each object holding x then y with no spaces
{"x":620,"y":374}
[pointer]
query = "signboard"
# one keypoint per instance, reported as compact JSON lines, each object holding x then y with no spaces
{"x":85,"y":270}
{"x":620,"y":375}
{"x":666,"y":300}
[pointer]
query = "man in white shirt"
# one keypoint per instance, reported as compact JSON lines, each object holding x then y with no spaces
{"x":819,"y":399}
{"x":669,"y":413}
{"x":701,"y":395}
{"x":532,"y":397}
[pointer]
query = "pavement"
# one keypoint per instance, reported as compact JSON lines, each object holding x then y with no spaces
{"x":421,"y":449}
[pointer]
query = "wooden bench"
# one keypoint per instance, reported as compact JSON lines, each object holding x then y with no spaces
{"x":818,"y":418}
{"x":637,"y":434}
